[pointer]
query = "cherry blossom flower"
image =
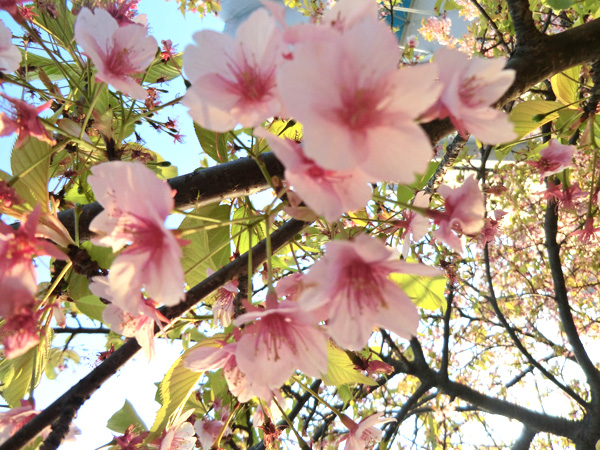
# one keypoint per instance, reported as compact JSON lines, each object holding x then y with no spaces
{"x":22,"y":118}
{"x":351,"y":288}
{"x":491,"y":227}
{"x":364,"y":434}
{"x":140,"y":325}
{"x":415,"y":225}
{"x":17,"y":274}
{"x":8,"y":196}
{"x":470,"y":86}
{"x":281,"y":339}
{"x":208,"y":431}
{"x":357,"y":108}
{"x":205,"y":358}
{"x":233,"y":80}
{"x":10,"y":56}
{"x":10,"y":6}
{"x":20,"y":333}
{"x":181,"y":435}
{"x":588,"y":233}
{"x":136,"y":204}
{"x":464,"y":211}
{"x":555,"y":158}
{"x":223,"y":308}
{"x":117,"y":52}
{"x":13,"y":420}
{"x":329,"y":193}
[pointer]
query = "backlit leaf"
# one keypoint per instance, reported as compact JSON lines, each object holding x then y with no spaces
{"x":341,"y":370}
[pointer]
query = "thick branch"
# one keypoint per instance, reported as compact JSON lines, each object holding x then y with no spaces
{"x":78,"y":394}
{"x":233,"y":179}
{"x":534,"y":420}
{"x":525,"y":30}
{"x":538,"y":60}
{"x":562,"y":300}
{"x":494,"y":302}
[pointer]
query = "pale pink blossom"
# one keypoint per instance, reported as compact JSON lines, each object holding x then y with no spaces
{"x":181,"y":435}
{"x":10,"y":56}
{"x":233,"y":80}
{"x":364,"y":434}
{"x":13,"y":420}
{"x":437,"y":29}
{"x":415,"y":225}
{"x":555,"y":158}
{"x":117,"y":52}
{"x":351,"y":289}
{"x":208,"y":430}
{"x":22,"y":118}
{"x":17,"y":274}
{"x":470,"y":86}
{"x":136,"y":204}
{"x":205,"y":358}
{"x":20,"y":333}
{"x":358,"y":110}
{"x":281,"y":339}
{"x":329,"y":193}
{"x":139,"y":326}
{"x":10,"y":6}
{"x":223,"y":307}
{"x":464,"y":211}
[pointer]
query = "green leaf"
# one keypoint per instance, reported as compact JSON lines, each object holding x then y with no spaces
{"x":214,"y":144}
{"x":523,"y":115}
{"x":242,"y":232}
{"x":207,"y":248}
{"x":57,"y":358}
{"x":91,"y":306}
{"x":286,"y":128}
{"x":341,"y":369}
{"x":123,"y":418}
{"x":173,"y":392}
{"x":425,"y":292}
{"x":60,"y":25}
{"x":559,"y":5}
{"x":31,"y":162}
{"x":18,"y":375}
{"x":54,"y":71}
{"x":162,"y":71}
{"x":566,"y":86}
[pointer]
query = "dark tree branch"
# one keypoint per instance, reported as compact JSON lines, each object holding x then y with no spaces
{"x":536,"y":61}
{"x":562,"y":300}
{"x":453,"y":149}
{"x":80,"y":330}
{"x":525,"y":30}
{"x":491,"y":297}
{"x":534,"y":420}
{"x":446,"y":346}
{"x":201,"y":187}
{"x":78,"y":394}
{"x":402,"y":414}
{"x":523,"y":442}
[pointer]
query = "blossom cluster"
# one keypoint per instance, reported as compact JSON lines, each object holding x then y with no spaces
{"x":340,"y":79}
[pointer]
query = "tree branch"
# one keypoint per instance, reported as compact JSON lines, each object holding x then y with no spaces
{"x":78,"y":394}
{"x":201,"y":187}
{"x":494,"y":302}
{"x":525,"y":30}
{"x":489,"y":20}
{"x":562,"y":300}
